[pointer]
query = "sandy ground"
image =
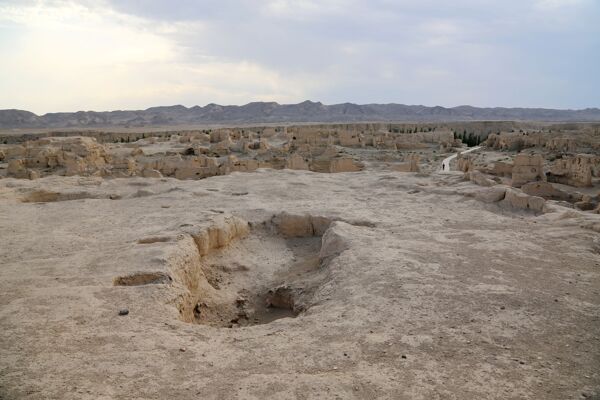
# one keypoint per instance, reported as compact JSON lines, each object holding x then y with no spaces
{"x":433,"y":295}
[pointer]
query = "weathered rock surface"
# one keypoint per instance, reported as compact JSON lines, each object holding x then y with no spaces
{"x":549,"y":192}
{"x":464,"y":162}
{"x":412,"y":165}
{"x":499,"y":168}
{"x":516,"y":199}
{"x":491,"y":195}
{"x":527,"y":168}
{"x":479,"y":178}
{"x":573,"y":171}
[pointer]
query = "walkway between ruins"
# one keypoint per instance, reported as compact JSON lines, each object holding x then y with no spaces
{"x":446,"y":162}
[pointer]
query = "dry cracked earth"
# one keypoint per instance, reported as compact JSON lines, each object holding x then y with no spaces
{"x":291,"y":285}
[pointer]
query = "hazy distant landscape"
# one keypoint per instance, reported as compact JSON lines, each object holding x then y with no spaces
{"x":272,"y":112}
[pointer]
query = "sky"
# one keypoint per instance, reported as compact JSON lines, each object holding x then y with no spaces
{"x":63,"y":55}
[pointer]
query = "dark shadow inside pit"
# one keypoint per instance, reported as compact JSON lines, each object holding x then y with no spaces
{"x":154,"y":239}
{"x":142,"y":278}
{"x":46,"y":196}
{"x":255,"y":280}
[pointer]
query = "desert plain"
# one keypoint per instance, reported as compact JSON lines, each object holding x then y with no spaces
{"x":329,"y":261}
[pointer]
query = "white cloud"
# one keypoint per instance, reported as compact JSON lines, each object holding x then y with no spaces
{"x":439,"y":32}
{"x":71,"y":36}
{"x":304,"y":9}
{"x":555,"y":4}
{"x":66,"y":56}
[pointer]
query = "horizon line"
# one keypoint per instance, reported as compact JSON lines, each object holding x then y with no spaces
{"x":302,"y":102}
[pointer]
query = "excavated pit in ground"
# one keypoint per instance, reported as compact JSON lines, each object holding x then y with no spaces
{"x":243,"y":276}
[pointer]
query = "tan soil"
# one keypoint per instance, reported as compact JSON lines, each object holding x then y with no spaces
{"x":428,"y":294}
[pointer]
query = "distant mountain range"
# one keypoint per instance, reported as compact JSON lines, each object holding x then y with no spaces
{"x":271,"y":112}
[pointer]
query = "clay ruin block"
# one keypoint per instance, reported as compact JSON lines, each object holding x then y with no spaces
{"x":573,"y":171}
{"x":500,"y":168}
{"x":344,"y":164}
{"x":296,"y":161}
{"x":464,"y":162}
{"x":220,"y":233}
{"x":412,"y":165}
{"x":545,"y":190}
{"x":492,"y":194}
{"x":527,"y":168}
{"x":480,"y":179}
{"x":516,"y":199}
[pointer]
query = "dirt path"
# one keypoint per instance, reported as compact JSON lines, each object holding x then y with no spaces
{"x":446,"y":161}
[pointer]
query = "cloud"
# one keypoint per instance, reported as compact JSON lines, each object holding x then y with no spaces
{"x":303,"y":10}
{"x":554,"y":4}
{"x":68,"y":56}
{"x":102,"y":54}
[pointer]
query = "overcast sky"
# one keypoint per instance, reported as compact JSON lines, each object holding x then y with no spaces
{"x":133,"y":54}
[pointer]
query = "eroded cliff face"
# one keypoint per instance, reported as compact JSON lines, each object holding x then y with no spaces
{"x":70,"y":156}
{"x":193,"y":155}
{"x":547,"y":163}
{"x":573,"y":171}
{"x":527,"y":168}
{"x":585,"y":140}
{"x":531,"y":186}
